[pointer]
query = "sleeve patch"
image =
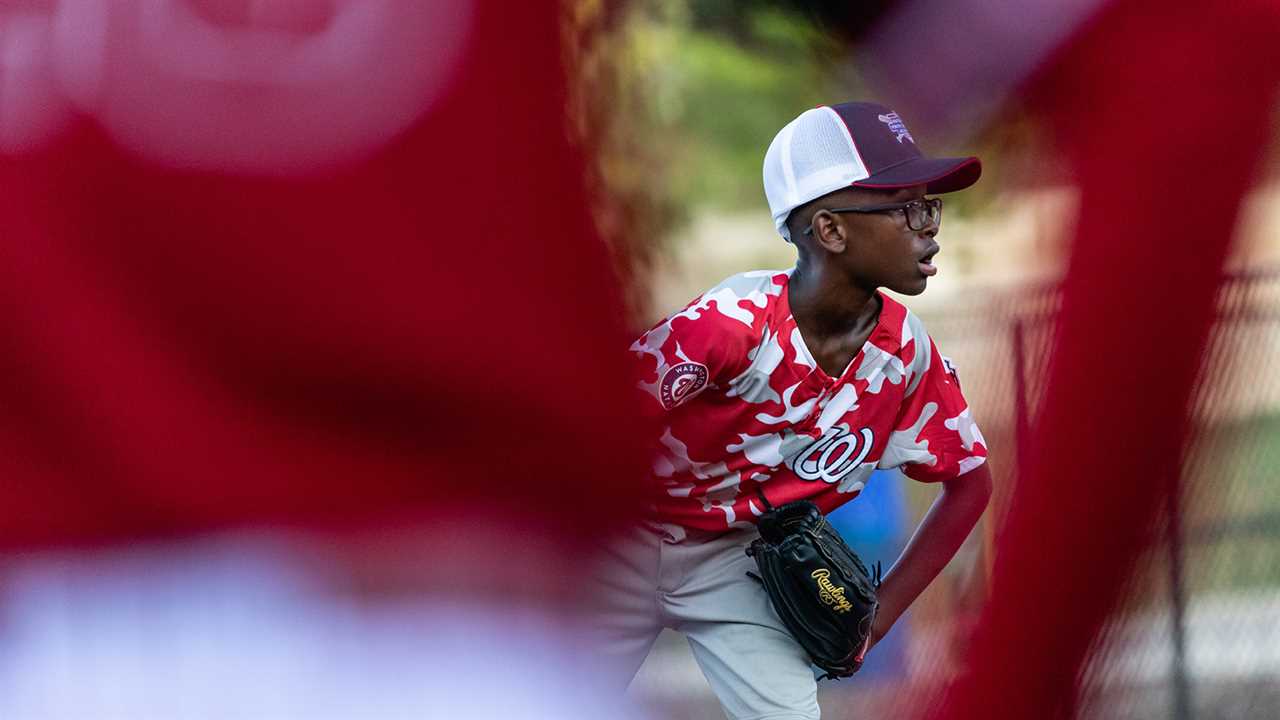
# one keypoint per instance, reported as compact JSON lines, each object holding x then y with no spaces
{"x":681,"y":382}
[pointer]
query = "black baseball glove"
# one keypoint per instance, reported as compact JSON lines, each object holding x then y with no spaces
{"x":820,"y":588}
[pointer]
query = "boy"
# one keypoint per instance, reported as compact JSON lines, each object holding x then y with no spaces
{"x":793,"y":385}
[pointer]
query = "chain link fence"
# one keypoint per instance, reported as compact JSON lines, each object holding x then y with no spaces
{"x":1199,"y":635}
{"x":1199,"y":638}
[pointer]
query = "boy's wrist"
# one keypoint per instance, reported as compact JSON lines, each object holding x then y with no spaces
{"x":890,"y":610}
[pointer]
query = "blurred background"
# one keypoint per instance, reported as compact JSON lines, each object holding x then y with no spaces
{"x":685,"y":95}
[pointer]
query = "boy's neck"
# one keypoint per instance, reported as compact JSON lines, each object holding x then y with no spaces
{"x":826,"y":307}
{"x":834,"y":320}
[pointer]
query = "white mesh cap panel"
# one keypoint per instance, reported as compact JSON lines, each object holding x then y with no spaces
{"x":810,"y":157}
{"x":779,"y":185}
{"x":821,"y":150}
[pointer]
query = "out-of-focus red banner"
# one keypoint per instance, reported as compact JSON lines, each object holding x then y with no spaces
{"x":325,"y":264}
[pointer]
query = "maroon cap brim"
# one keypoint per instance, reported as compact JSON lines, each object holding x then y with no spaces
{"x":940,"y":175}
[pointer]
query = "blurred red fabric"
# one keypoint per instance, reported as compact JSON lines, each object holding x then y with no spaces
{"x":429,"y":332}
{"x":1164,"y":111}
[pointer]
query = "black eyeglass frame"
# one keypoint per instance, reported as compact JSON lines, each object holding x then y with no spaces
{"x":932,"y":203}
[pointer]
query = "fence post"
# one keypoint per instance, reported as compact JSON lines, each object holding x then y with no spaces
{"x":1021,"y":414}
{"x":1183,"y":708}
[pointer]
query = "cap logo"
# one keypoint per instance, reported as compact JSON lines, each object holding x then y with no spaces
{"x":682,"y":382}
{"x":897,"y":127}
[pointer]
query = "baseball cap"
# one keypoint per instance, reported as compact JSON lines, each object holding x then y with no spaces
{"x":855,"y":144}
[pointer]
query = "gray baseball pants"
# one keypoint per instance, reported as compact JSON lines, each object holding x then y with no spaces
{"x":664,"y":576}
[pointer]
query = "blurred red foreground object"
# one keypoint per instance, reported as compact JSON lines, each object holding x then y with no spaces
{"x":429,"y":331}
{"x":1164,"y":111}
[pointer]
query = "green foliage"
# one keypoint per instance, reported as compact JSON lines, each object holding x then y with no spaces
{"x":707,"y":83}
{"x":724,"y":78}
{"x":1235,"y":531}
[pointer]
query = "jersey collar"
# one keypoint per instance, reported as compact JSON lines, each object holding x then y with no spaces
{"x":890,"y":334}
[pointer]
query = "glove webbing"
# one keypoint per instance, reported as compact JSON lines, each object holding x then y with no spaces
{"x":876,"y":578}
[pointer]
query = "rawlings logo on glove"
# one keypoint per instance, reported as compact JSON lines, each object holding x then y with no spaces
{"x":829,"y":593}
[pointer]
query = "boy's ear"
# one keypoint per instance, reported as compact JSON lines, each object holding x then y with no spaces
{"x":829,"y":232}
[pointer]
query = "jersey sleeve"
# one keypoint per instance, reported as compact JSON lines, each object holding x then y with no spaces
{"x":700,"y":347}
{"x":935,"y":437}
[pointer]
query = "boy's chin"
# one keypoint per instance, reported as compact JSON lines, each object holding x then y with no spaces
{"x":911,"y":288}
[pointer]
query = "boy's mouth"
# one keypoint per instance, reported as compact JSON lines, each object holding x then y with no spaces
{"x":925,"y":263}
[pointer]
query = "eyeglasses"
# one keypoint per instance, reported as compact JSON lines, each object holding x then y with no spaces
{"x":920,"y":213}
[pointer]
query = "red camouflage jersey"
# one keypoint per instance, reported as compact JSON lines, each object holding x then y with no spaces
{"x":747,"y":410}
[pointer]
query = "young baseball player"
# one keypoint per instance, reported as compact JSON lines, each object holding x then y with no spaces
{"x":796,"y":384}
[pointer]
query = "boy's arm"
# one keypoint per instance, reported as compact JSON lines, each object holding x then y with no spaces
{"x":933,"y":544}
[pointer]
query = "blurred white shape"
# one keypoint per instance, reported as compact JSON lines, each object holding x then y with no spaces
{"x":1230,"y":636}
{"x":273,"y":86}
{"x":247,"y":627}
{"x":79,"y":46}
{"x":31,"y":107}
